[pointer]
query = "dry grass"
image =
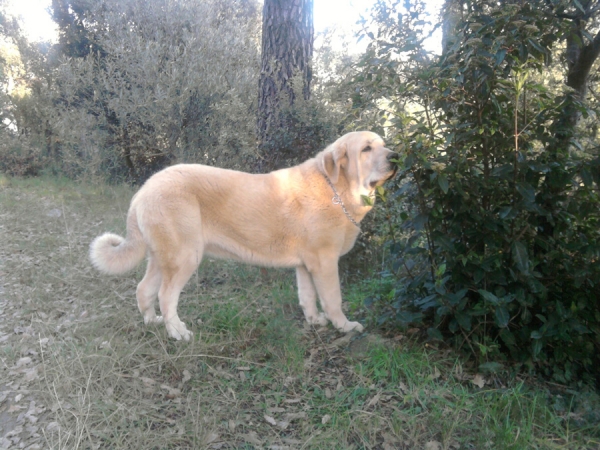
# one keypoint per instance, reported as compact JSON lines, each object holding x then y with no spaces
{"x":83,"y":371}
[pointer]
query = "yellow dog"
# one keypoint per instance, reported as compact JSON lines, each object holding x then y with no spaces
{"x":305,"y":217}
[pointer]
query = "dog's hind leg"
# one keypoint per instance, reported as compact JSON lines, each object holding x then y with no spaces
{"x":147,"y":292}
{"x":174,"y":278}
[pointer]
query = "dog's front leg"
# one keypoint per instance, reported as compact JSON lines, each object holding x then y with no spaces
{"x":326,"y":279}
{"x":307,"y":294}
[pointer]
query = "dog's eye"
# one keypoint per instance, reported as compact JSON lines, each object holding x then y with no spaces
{"x":366,"y":149}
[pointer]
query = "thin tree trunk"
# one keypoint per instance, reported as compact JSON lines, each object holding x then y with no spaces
{"x":580,"y":59}
{"x":287,"y":48}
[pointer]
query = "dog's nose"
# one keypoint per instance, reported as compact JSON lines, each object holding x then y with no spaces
{"x":393,"y":155}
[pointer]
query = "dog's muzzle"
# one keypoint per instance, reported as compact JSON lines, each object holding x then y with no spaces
{"x":393,"y":164}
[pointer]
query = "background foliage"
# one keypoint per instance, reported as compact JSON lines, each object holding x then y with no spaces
{"x":164,"y":81}
{"x":494,"y":222}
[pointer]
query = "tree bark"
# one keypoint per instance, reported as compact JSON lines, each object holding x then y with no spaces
{"x":580,"y":58}
{"x":287,"y":48}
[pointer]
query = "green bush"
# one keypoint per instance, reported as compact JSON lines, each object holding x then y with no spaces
{"x":495,"y":220}
{"x":169,"y":81}
{"x":19,"y":158}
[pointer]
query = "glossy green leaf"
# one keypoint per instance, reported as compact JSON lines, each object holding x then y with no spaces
{"x":520,"y":257}
{"x":501,"y":316}
{"x":443,"y":182}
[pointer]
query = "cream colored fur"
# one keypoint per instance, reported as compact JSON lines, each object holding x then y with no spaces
{"x":285,"y":218}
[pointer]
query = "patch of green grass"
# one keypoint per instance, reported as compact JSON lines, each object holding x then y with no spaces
{"x":281,"y":342}
{"x":226,"y":318}
{"x":458,"y":413}
{"x":393,"y":364}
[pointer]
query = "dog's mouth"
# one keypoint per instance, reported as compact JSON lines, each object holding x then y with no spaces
{"x":393,"y":171}
{"x":374,"y":184}
{"x":383,"y":180}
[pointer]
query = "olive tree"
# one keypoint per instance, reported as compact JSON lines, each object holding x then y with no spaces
{"x":164,"y":81}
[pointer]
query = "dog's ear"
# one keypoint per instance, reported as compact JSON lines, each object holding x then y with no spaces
{"x":335,"y":159}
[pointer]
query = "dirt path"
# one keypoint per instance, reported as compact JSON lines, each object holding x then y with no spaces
{"x":22,"y":418}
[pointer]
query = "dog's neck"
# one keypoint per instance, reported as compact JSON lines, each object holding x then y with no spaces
{"x":353,"y":211}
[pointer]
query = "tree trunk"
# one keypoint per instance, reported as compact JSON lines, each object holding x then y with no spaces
{"x":580,"y":58}
{"x":287,"y":48}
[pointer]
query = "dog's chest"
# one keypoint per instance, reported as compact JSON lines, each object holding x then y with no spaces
{"x":351,"y":234}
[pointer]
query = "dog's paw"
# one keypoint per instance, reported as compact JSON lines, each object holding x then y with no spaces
{"x":320,"y":320}
{"x":187,"y":335}
{"x":177,"y":330}
{"x":352,"y":326}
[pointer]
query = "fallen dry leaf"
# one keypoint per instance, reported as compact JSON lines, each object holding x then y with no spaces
{"x":275,"y":410}
{"x":433,"y":445}
{"x":478,"y":381}
{"x":23,"y":362}
{"x":172,"y":392}
{"x":210,"y":438}
{"x":326,"y":418}
{"x":270,"y":420}
{"x":435,"y":375}
{"x":252,"y":438}
{"x":373,"y":401}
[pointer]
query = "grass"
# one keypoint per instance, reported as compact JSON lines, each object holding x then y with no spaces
{"x":253,"y":377}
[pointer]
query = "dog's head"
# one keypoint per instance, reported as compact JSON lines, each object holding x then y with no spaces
{"x":362,"y":158}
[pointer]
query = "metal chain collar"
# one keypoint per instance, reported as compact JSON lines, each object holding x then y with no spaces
{"x":337,"y":200}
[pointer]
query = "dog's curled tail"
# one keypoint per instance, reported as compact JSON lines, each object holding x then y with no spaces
{"x":114,"y":255}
